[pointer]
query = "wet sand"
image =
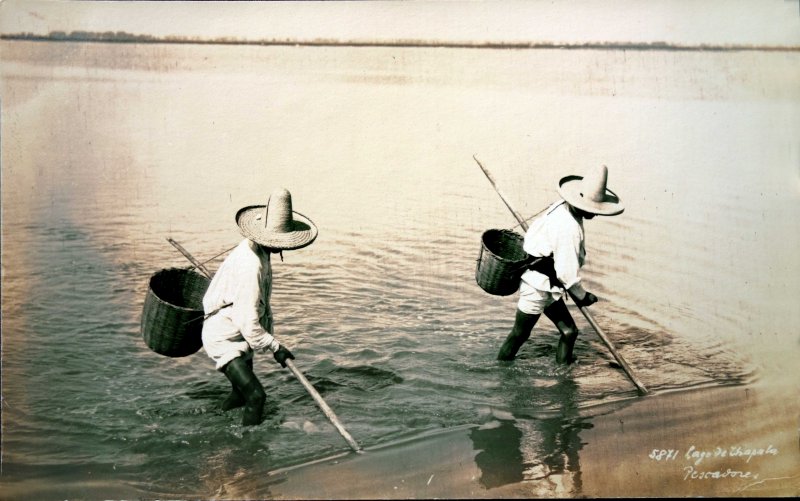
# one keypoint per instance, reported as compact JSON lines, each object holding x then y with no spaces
{"x":723,"y":446}
{"x":712,"y":431}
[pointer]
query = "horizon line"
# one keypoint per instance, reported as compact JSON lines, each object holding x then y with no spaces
{"x":128,"y":38}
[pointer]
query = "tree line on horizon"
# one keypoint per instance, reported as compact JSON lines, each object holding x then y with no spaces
{"x":106,"y":36}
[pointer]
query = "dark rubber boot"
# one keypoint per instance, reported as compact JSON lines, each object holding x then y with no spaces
{"x":247,"y":384}
{"x":235,"y":399}
{"x":523,"y":325}
{"x":560,"y":316}
{"x":511,"y":346}
{"x":564,"y":350}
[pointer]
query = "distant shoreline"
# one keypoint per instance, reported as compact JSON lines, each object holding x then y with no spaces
{"x":127,"y":38}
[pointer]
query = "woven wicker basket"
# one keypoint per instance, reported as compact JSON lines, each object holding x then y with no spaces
{"x":501,"y":262}
{"x":173,"y":309}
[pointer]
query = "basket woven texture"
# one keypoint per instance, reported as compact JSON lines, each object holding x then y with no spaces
{"x":173,"y":308}
{"x":500,"y":263}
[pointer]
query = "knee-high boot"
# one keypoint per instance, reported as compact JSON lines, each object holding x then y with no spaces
{"x":523,"y":324}
{"x":566,"y":343}
{"x":235,"y":399}
{"x":512,"y":344}
{"x":247,"y":384}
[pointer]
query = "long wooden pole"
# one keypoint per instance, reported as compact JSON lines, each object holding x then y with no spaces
{"x":584,"y":309}
{"x":494,"y":185}
{"x":323,"y":406}
{"x":297,"y":374}
{"x":612,"y":349}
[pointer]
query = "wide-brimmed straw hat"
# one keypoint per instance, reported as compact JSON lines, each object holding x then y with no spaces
{"x":276,"y":225}
{"x":590,"y":194}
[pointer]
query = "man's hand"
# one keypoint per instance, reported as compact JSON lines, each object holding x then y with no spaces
{"x":588,"y":299}
{"x":281,"y":354}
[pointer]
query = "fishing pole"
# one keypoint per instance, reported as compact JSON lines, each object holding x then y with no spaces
{"x":584,"y":310}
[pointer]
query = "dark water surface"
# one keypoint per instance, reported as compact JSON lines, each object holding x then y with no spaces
{"x":109,"y":149}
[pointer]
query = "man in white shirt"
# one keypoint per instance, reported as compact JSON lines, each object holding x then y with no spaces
{"x":232,"y":334}
{"x":557,"y":238}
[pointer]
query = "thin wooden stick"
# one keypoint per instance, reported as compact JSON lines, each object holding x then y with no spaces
{"x":297,"y":374}
{"x":584,"y":309}
{"x":491,"y":180}
{"x":197,"y":264}
{"x":323,"y":406}
{"x":208,"y":315}
{"x":612,"y":349}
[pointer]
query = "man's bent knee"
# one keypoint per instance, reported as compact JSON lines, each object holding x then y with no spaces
{"x":569,"y":331}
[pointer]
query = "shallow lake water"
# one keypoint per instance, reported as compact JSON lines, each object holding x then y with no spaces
{"x":108,"y":149}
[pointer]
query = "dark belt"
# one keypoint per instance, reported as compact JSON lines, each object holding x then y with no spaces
{"x":545,"y":266}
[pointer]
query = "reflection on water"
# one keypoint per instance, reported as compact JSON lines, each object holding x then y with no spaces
{"x":499,"y":459}
{"x":553,"y":446}
{"x":540,"y":448}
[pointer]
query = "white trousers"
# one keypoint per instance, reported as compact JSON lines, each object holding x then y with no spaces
{"x":223,"y":341}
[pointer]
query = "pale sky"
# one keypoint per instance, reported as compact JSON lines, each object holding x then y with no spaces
{"x":683,"y":22}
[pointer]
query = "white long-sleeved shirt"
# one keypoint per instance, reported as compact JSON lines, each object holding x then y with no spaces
{"x":245,"y":279}
{"x":557,"y":233}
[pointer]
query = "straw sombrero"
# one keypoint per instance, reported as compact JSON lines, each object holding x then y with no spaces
{"x":590,"y":194}
{"x":275,"y":225}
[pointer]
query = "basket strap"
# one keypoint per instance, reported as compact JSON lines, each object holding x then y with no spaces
{"x":209,"y":315}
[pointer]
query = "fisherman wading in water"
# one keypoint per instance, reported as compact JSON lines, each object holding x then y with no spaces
{"x":245,"y":279}
{"x":557,"y":237}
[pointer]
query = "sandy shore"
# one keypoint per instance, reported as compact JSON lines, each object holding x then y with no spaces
{"x":737,"y":441}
